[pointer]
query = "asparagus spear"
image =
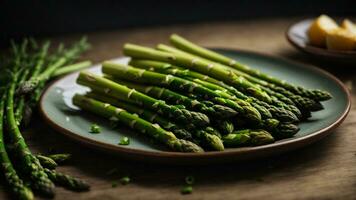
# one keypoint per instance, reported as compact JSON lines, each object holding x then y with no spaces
{"x":68,"y":55}
{"x":136,"y":123}
{"x":248,"y":137}
{"x":186,"y":45}
{"x":47,"y":162}
{"x":143,"y":76}
{"x":278,"y":98}
{"x":207,"y":139}
{"x":31,"y":166}
{"x":145,"y":114}
{"x":218,"y":111}
{"x":198,"y":65}
{"x":121,"y":91}
{"x":263,"y":108}
{"x":19,"y":190}
{"x":225,"y":126}
{"x":60,"y":158}
{"x":67,"y":181}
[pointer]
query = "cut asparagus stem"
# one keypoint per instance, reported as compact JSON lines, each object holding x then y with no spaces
{"x":197,"y":65}
{"x":133,"y":121}
{"x":72,"y":68}
{"x":121,"y":91}
{"x":188,"y":46}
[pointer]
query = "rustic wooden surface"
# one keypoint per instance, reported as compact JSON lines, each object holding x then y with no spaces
{"x":324,"y":170}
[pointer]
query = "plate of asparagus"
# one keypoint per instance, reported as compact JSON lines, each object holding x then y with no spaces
{"x":188,"y":104}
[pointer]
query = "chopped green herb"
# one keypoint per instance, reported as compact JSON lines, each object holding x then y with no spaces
{"x":114,"y":184}
{"x":125,"y":180}
{"x":188,"y":189}
{"x":189,"y":180}
{"x":124,"y":141}
{"x":94,"y":128}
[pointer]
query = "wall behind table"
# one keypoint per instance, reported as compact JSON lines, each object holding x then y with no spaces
{"x":49,"y":17}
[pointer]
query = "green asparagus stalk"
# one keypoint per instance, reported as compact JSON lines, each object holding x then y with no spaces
{"x":30,"y":164}
{"x":248,"y":137}
{"x":225,"y":126}
{"x":68,"y":55}
{"x":197,"y":65}
{"x":67,"y":181}
{"x":130,"y":73}
{"x":263,"y":108}
{"x":143,"y":76}
{"x":278,"y":98}
{"x":47,"y":162}
{"x":207,"y":138}
{"x":16,"y":185}
{"x":188,"y":46}
{"x":133,"y":121}
{"x":145,"y":114}
{"x":121,"y":91}
{"x":60,"y":158}
{"x":218,"y":111}
{"x":71,"y":68}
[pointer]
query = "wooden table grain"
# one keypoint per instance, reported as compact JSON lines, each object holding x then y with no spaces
{"x":324,"y":170}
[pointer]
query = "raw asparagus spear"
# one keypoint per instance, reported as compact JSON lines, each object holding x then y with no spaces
{"x":67,"y":181}
{"x":199,"y":65}
{"x":67,"y":56}
{"x":31,"y":166}
{"x":186,"y":45}
{"x":225,"y":126}
{"x":121,"y":91}
{"x":248,"y":137}
{"x":207,"y":139}
{"x":47,"y":162}
{"x":218,"y":111}
{"x":133,"y":121}
{"x":16,"y":185}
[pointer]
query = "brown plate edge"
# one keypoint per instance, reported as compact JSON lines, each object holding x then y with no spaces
{"x":240,"y":154}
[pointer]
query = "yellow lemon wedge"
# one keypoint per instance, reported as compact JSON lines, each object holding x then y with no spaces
{"x":349,"y":26}
{"x":320,"y":28}
{"x":340,"y":39}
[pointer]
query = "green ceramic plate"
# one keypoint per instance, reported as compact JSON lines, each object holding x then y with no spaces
{"x":58,"y":111}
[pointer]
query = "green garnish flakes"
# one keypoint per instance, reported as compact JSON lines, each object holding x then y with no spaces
{"x":188,"y":189}
{"x":189,"y":180}
{"x":114,"y":184}
{"x":94,"y":128}
{"x":125,"y":180}
{"x":124,"y":141}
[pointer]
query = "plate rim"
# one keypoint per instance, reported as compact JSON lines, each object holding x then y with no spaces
{"x":259,"y":151}
{"x":315,"y":50}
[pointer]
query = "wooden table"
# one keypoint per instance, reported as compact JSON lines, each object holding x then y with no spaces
{"x":324,"y":170}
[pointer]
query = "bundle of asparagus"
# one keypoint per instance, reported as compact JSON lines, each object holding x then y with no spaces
{"x":30,"y":66}
{"x":196,"y":98}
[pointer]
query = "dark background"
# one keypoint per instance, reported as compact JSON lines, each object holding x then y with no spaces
{"x":50,"y":17}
